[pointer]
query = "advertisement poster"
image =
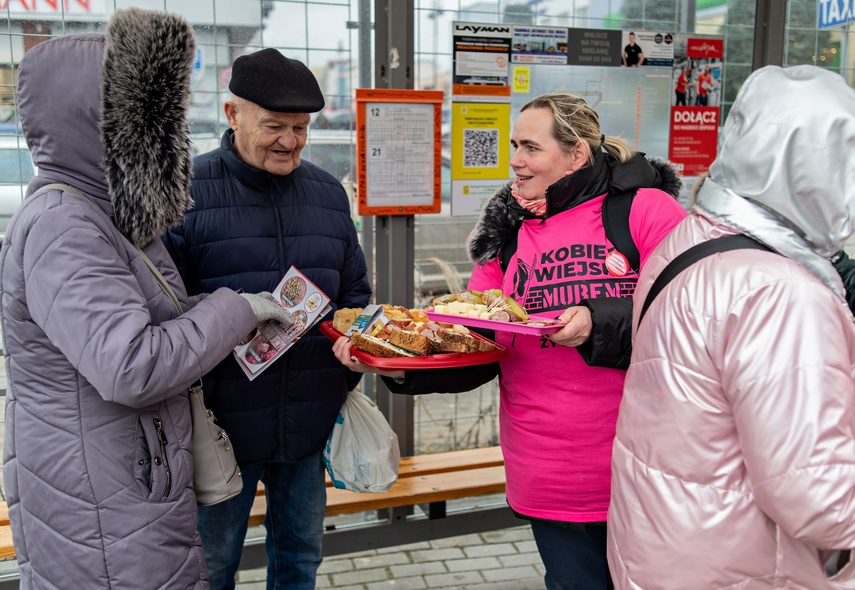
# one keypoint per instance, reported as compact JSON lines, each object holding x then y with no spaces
{"x":647,"y":48}
{"x":522,"y":79}
{"x":700,"y":65}
{"x":540,"y":45}
{"x":694,"y":138}
{"x":481,"y":136}
{"x":633,"y":103}
{"x":658,"y":90}
{"x":482,"y":53}
{"x":594,"y":47}
{"x":696,"y":100}
{"x":469,"y":196}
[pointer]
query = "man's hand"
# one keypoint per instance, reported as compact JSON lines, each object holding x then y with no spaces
{"x":578,"y":328}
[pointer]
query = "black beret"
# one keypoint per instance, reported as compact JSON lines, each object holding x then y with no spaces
{"x":276,"y":83}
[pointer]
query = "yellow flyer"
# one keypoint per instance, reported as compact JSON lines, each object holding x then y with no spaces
{"x":480,"y":142}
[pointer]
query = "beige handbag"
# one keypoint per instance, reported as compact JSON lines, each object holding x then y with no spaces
{"x":216,"y":475}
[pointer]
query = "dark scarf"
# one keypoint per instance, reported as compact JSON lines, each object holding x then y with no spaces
{"x":588,"y":182}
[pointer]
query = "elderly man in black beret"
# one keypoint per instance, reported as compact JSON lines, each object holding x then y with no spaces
{"x":259,"y":209}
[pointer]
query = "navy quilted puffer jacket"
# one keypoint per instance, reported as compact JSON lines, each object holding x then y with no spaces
{"x":246,"y":229}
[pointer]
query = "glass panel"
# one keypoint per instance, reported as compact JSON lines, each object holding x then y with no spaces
{"x":16,"y":170}
{"x":198,"y":13}
{"x":808,"y":45}
{"x":5,"y":20}
{"x":336,"y":76}
{"x":16,"y":167}
{"x":327,"y":26}
{"x":738,"y":51}
{"x":334,"y":150}
{"x":847,"y":56}
{"x":286,"y":25}
{"x":652,"y":15}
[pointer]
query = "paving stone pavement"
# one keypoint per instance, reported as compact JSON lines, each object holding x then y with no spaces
{"x":495,"y":560}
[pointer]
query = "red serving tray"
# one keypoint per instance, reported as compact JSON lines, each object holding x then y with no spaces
{"x":516,"y":327}
{"x":432,"y":361}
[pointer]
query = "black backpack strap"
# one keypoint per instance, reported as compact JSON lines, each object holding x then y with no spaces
{"x":509,"y":248}
{"x":694,"y":254}
{"x":616,"y":208}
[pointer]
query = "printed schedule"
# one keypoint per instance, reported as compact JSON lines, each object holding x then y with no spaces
{"x":398,"y":147}
{"x":399,"y":153}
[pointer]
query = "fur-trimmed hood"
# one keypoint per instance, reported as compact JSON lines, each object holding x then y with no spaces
{"x":122,"y":138}
{"x":501,"y":216}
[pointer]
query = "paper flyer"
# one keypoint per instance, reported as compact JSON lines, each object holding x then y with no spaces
{"x":305,"y":305}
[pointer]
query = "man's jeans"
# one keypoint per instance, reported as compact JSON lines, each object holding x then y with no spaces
{"x":296,"y":505}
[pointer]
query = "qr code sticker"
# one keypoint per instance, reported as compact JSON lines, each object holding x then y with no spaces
{"x":480,"y":148}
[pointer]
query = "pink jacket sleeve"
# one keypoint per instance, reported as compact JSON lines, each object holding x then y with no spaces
{"x":792,"y":396}
{"x":488,"y":276}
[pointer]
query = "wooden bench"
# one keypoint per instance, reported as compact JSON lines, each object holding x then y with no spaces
{"x":422,"y":479}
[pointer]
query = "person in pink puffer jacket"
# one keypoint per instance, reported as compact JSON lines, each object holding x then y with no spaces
{"x":734,"y":459}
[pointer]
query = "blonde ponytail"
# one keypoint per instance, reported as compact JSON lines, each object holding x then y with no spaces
{"x":573,"y":120}
{"x":617,"y":148}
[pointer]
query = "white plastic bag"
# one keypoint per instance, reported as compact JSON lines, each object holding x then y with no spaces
{"x":362,"y":453}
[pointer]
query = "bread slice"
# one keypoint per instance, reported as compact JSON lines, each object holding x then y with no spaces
{"x":394,"y":312}
{"x":378,"y":347}
{"x":441,"y":346}
{"x":454,"y":336}
{"x":415,"y":343}
{"x":480,"y":345}
{"x":343,"y":318}
{"x":462,"y":342}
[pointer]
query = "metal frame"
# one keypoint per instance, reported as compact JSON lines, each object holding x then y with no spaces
{"x":394,"y":52}
{"x":391,"y":533}
{"x":770,"y":39}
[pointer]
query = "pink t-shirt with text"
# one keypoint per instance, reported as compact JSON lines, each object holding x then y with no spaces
{"x":558,"y":414}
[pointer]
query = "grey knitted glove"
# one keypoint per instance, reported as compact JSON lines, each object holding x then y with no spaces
{"x":265,"y":309}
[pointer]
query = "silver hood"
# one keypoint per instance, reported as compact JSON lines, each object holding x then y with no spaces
{"x":785,"y":171}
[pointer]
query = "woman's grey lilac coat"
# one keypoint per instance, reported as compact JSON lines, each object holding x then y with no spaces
{"x":98,"y":464}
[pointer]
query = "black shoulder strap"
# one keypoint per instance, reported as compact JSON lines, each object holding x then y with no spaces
{"x":616,"y":210}
{"x":508,"y":250}
{"x":694,"y":254}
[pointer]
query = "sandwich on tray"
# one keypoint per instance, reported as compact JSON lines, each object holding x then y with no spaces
{"x":409,"y":333}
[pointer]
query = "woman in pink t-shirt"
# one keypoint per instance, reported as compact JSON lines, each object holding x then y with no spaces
{"x":560,"y":395}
